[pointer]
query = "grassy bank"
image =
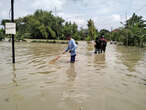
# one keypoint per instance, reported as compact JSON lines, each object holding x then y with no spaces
{"x":50,"y":41}
{"x":40,"y":41}
{"x":47,"y":41}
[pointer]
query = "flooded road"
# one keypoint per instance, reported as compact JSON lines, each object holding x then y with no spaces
{"x":115,"y":80}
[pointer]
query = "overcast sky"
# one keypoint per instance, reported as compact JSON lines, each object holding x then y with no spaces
{"x":105,"y":13}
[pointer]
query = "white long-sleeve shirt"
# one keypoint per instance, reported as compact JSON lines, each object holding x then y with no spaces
{"x":72,"y":47}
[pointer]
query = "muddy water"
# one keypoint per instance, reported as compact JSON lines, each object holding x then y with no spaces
{"x":115,"y":80}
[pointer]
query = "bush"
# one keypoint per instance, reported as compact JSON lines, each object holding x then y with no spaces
{"x":88,"y":38}
{"x":2,"y":36}
{"x":19,"y":37}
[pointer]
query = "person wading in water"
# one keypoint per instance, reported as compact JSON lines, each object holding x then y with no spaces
{"x":72,"y":46}
{"x":103,"y":43}
{"x":97,"y":45}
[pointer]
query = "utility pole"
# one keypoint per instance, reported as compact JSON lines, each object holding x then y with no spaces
{"x":12,"y":20}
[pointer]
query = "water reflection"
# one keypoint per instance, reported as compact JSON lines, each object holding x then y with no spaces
{"x":14,"y":75}
{"x":71,"y":73}
{"x":130,"y":56}
{"x":45,"y":50}
{"x":99,"y":60}
{"x":90,"y":82}
{"x":90,"y":46}
{"x":69,"y":83}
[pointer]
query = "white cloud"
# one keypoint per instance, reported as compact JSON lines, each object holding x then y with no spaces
{"x":4,"y":13}
{"x":77,"y":18}
{"x":116,"y":17}
{"x":48,"y":4}
{"x":104,"y":13}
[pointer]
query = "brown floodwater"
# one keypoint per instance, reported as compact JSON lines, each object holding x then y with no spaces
{"x":115,"y":80}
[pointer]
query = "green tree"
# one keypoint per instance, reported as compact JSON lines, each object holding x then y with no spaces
{"x":105,"y":32}
{"x":133,"y":33}
{"x":83,"y":33}
{"x":52,"y":34}
{"x":91,"y":30}
{"x":2,"y":36}
{"x":44,"y":25}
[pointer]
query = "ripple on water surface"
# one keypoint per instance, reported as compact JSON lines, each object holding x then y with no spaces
{"x":115,"y":80}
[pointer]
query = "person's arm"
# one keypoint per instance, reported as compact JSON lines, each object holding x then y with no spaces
{"x":67,"y":49}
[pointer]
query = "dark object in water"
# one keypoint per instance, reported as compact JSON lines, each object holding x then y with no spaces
{"x":100,"y":45}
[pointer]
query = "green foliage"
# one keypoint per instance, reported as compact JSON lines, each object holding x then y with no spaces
{"x":52,"y":34}
{"x":50,"y":41}
{"x":104,"y":32}
{"x":5,"y":21}
{"x":19,"y":37}
{"x":133,"y":33}
{"x":91,"y":30}
{"x":2,"y":36}
{"x":88,"y":38}
{"x":72,"y":29}
{"x":83,"y":34}
{"x":44,"y":25}
{"x":27,"y":35}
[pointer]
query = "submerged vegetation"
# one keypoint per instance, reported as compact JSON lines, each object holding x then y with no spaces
{"x":44,"y":25}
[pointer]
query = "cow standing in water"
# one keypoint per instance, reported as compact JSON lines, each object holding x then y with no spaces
{"x":100,"y":45}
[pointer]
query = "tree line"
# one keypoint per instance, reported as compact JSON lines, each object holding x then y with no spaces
{"x":133,"y":32}
{"x":44,"y":25}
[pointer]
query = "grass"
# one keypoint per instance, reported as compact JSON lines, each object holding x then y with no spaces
{"x":49,"y":41}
